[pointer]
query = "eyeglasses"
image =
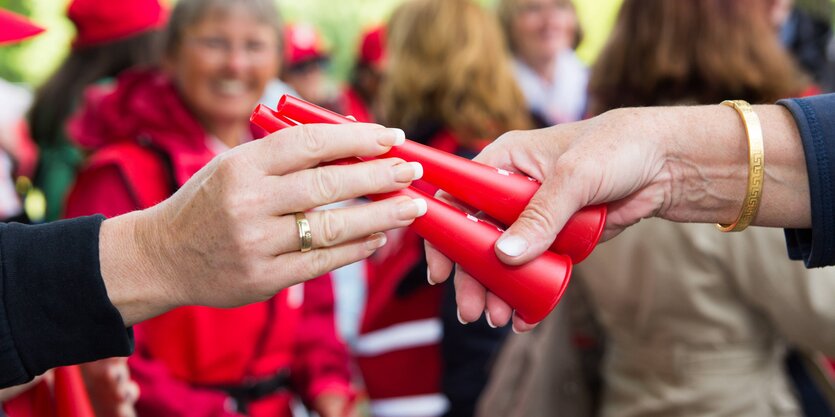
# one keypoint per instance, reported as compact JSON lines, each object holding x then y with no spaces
{"x":222,"y":48}
{"x":535,"y":8}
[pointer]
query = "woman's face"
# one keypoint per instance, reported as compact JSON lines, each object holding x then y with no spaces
{"x":543,"y":28}
{"x":224,"y":63}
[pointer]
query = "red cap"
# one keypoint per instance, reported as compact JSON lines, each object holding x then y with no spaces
{"x":373,"y":46}
{"x":302,"y":44}
{"x":103,"y":21}
{"x":14,"y":28}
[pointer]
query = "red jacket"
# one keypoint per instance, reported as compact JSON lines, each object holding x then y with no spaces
{"x":352,"y":104}
{"x":181,"y":353}
{"x":404,"y":332}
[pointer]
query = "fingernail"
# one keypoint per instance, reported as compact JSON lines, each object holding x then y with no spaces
{"x":512,"y":246}
{"x":515,"y":330}
{"x":376,"y":241}
{"x":429,"y":277}
{"x":460,"y":320}
{"x":489,"y":321}
{"x":410,"y":209}
{"x":399,"y":136}
{"x":418,"y":170}
{"x":408,"y":172}
{"x":421,"y":205}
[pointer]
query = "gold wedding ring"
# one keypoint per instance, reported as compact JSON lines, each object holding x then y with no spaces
{"x":305,"y":238}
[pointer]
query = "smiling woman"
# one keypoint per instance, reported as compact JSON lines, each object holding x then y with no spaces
{"x":221,"y":55}
{"x":152,"y":133}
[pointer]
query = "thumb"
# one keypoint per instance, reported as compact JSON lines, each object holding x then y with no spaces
{"x":537,"y":227}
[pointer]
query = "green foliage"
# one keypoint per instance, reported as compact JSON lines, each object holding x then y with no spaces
{"x":33,"y":60}
{"x":341,"y":22}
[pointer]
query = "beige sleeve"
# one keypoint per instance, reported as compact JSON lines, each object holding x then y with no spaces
{"x":799,"y":301}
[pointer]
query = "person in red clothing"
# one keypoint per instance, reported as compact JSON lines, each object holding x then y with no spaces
{"x":305,"y":65}
{"x":110,"y":37}
{"x":150,"y":134}
{"x":449,"y":84}
{"x":359,"y":97}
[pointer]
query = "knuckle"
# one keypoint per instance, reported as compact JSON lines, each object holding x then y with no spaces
{"x":313,"y":143}
{"x":319,"y":262}
{"x":510,"y":136}
{"x":538,"y":218}
{"x":325,"y":183}
{"x":379,"y":174}
{"x":252,"y":239}
{"x":333,"y":228}
{"x":245,"y":201}
{"x":240,"y":205}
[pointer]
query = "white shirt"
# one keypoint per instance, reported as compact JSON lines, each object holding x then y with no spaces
{"x":560,"y":101}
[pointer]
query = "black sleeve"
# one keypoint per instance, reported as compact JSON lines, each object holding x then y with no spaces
{"x":815,"y":118}
{"x":54,"y":308}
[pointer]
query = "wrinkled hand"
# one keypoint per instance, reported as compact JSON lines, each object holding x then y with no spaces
{"x":111,"y":390}
{"x":228,"y":237}
{"x":621,"y":157}
{"x":685,"y":164}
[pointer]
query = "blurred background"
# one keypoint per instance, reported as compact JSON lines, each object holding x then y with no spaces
{"x":340,"y":22}
{"x":438,"y":71}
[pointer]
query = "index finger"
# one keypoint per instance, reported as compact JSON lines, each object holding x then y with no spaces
{"x":498,"y":153}
{"x":306,"y":146}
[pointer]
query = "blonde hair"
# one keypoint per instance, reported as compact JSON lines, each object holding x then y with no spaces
{"x":448,"y":63}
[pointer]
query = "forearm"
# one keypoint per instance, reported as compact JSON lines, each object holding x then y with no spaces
{"x":708,"y":166}
{"x":55,"y":309}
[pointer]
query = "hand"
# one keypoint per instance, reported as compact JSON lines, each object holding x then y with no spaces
{"x":10,"y":393}
{"x":111,"y":390}
{"x":681,"y":164}
{"x":334,"y":405}
{"x":228,"y":237}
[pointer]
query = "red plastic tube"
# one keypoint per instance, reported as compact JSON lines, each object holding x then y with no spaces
{"x":533,"y":289}
{"x":500,"y":194}
{"x":265,"y":118}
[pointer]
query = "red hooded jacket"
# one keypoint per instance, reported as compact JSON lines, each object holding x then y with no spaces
{"x":147,"y":143}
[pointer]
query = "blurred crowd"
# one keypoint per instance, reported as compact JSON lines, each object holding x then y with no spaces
{"x":670,"y":319}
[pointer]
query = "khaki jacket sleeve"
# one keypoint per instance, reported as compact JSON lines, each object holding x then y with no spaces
{"x":799,"y":301}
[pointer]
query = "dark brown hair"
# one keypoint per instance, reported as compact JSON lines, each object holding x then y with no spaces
{"x":57,"y":98}
{"x":696,"y":51}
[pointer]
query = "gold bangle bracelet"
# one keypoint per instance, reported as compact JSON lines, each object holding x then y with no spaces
{"x":756,"y":166}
